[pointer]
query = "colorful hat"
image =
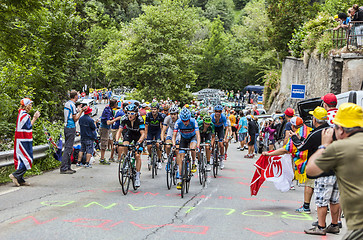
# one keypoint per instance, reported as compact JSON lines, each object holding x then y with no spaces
{"x":25,"y":101}
{"x":319,"y":113}
{"x":349,"y":115}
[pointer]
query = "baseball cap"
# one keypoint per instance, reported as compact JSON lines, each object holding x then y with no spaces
{"x":88,"y":110}
{"x":25,"y":101}
{"x":319,"y":113}
{"x":296,"y":121}
{"x":289,"y":112}
{"x":330,"y":99}
{"x":249,"y":117}
{"x":349,"y":115}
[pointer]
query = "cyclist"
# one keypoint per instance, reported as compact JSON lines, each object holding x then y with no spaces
{"x":153,"y":123}
{"x":134,"y":128}
{"x":168,"y":128}
{"x":220,"y":122}
{"x":189,"y":132}
{"x":206,"y":130}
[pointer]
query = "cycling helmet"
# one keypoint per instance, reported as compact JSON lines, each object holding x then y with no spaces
{"x":207,"y":119}
{"x":155,"y":105}
{"x":131,"y":108}
{"x":185,"y":114}
{"x":174,"y":109}
{"x":218,"y":108}
{"x":203,"y":113}
{"x":161,"y":108}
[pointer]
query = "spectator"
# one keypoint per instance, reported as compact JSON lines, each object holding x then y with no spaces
{"x":329,"y":103}
{"x":233,"y":119}
{"x":289,"y":113}
{"x":271,"y":129}
{"x":114,"y":128}
{"x":247,"y":97}
{"x":358,"y":27}
{"x":325,"y":188}
{"x":255,"y":111}
{"x":88,"y":135}
{"x":109,"y":95}
{"x":99,"y":96}
{"x":299,"y":158}
{"x":345,"y":158}
{"x":344,"y":21}
{"x":107,"y":120}
{"x":252,"y":130}
{"x":23,"y":143}
{"x":70,"y":118}
{"x":252,"y":97}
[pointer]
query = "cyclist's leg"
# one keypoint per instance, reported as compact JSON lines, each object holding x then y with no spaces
{"x":157,"y":137}
{"x":149,"y":137}
{"x":207,"y":148}
{"x":220,"y":134}
{"x":193,"y":145}
{"x":168,"y":138}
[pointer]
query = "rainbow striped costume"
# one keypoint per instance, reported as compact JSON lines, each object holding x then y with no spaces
{"x":299,"y":157}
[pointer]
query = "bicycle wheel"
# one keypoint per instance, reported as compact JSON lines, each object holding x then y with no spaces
{"x":169,"y":172}
{"x":188,"y":175}
{"x":183,"y":178}
{"x":215,"y":164}
{"x":153,"y":164}
{"x":174,"y":170}
{"x":120,"y":164}
{"x":200,"y":168}
{"x":204,"y":165}
{"x":133,"y":176}
{"x":125,"y":178}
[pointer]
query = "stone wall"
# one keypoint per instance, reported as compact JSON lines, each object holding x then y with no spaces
{"x":320,"y":75}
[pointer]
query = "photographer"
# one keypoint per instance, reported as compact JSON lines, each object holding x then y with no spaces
{"x":270,"y":129}
{"x":345,"y":158}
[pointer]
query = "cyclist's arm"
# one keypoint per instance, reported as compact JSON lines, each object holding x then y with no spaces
{"x":163,"y":130}
{"x":143,"y":134}
{"x":173,"y":140}
{"x":198,"y":138}
{"x":118,"y":134}
{"x":146,"y":128}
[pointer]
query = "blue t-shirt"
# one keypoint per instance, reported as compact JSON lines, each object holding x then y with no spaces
{"x":222,"y":120}
{"x":288,"y":126}
{"x":69,"y":111}
{"x":109,"y":94}
{"x":107,"y":115}
{"x":347,"y":21}
{"x":116,"y":124}
{"x":243,"y":123}
{"x":188,"y":131}
{"x":87,"y":127}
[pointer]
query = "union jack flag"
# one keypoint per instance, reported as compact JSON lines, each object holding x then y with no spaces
{"x":23,"y":145}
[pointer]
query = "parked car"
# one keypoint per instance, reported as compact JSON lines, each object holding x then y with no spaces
{"x":89,"y":102}
{"x":310,"y":104}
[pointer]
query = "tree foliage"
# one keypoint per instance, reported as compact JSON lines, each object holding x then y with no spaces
{"x":156,"y":51}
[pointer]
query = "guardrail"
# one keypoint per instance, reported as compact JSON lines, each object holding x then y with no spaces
{"x":349,"y":36}
{"x":39,"y":152}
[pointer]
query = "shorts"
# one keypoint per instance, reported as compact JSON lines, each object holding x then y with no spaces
{"x":234,"y":129}
{"x":130,"y":136}
{"x":170,"y":133}
{"x":310,"y":183}
{"x":271,"y":142}
{"x":105,"y":135}
{"x":220,"y":133}
{"x":153,"y":135}
{"x":113,"y":134}
{"x":242,"y":136}
{"x":326,"y":191}
{"x":184,"y":142}
{"x":87,"y":146}
{"x":252,"y":140}
{"x":205,"y":137}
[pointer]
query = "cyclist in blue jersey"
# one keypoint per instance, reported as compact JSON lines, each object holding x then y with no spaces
{"x":220,"y":123}
{"x":189,"y":132}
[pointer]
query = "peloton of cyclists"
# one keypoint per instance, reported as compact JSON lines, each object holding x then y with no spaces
{"x":207,"y":135}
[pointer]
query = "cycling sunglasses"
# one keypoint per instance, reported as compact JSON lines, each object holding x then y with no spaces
{"x":131,"y":113}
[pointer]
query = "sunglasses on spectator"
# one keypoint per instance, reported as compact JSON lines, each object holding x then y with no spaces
{"x":131,"y":113}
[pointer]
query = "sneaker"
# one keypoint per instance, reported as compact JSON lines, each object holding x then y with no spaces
{"x":104,"y":162}
{"x":241,"y":149}
{"x":208,"y":168}
{"x":11,"y":176}
{"x":179,"y":185}
{"x":314,"y":224}
{"x":66,"y":172}
{"x":87,"y":165}
{"x":225,"y":157}
{"x":159,"y":165}
{"x":24,"y":184}
{"x":316,"y":231}
{"x":221,"y":164}
{"x":70,"y":169}
{"x":331,"y":229}
{"x":194,"y":168}
{"x":246,"y":147}
{"x":111,"y":160}
{"x":137,"y":180}
{"x":303,"y":210}
{"x":78,"y":164}
{"x":292,"y":188}
{"x":247,"y":156}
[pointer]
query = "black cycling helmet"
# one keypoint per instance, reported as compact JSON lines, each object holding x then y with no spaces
{"x":132,"y":108}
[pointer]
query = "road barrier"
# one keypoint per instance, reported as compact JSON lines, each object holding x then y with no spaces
{"x":39,"y":152}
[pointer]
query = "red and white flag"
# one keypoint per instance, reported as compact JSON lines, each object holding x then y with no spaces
{"x":276,"y":169}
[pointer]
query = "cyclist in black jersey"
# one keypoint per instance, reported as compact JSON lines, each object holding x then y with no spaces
{"x":134,"y":127}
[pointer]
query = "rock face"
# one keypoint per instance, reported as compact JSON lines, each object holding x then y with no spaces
{"x":320,"y":75}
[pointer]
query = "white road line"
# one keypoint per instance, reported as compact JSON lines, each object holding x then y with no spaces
{"x":9,"y":191}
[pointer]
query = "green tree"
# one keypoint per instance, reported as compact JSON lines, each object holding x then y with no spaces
{"x":222,"y":9}
{"x":240,"y":4}
{"x":156,"y":51}
{"x":334,"y":7}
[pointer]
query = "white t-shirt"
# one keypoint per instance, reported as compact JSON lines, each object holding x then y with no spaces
{"x":331,"y":116}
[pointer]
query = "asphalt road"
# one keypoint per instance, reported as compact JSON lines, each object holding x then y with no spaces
{"x":90,"y":205}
